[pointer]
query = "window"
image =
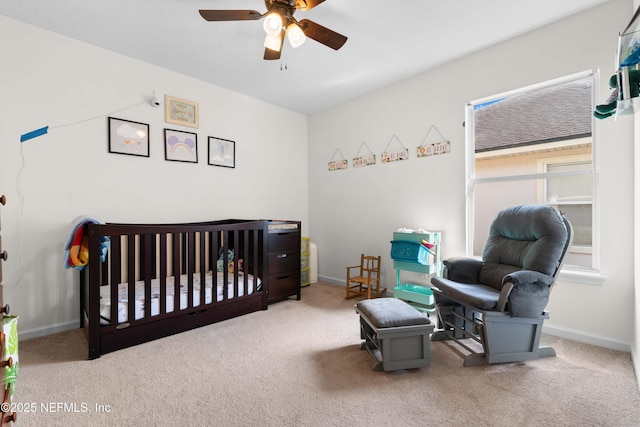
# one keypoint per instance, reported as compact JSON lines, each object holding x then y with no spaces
{"x":536,"y":145}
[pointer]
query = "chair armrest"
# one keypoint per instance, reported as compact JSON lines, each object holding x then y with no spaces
{"x":527,"y":292}
{"x":462,"y":269}
{"x":528,"y":276}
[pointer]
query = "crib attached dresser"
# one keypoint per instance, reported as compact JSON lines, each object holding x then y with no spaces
{"x":284,"y":259}
{"x":6,"y":361}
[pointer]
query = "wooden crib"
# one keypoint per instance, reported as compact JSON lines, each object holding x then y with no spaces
{"x":147,"y":281}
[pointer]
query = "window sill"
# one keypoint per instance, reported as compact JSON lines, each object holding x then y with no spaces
{"x":582,"y":277}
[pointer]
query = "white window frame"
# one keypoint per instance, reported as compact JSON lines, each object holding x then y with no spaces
{"x":589,"y":276}
{"x":543,"y":165}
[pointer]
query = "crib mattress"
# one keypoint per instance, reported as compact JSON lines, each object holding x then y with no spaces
{"x":123,"y":300}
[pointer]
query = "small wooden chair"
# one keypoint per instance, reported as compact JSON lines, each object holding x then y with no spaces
{"x":361,"y":279}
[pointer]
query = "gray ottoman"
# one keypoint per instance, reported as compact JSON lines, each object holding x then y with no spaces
{"x":395,"y":334}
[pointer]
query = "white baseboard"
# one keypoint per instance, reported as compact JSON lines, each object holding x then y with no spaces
{"x":48,"y":330}
{"x":583,"y":337}
{"x":332,"y":280}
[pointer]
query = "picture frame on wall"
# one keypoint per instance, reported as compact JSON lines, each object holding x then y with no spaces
{"x":222,"y":152}
{"x":128,"y":137}
{"x":182,"y":112}
{"x":180,"y":146}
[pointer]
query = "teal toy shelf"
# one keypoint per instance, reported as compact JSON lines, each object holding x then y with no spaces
{"x":410,"y":254}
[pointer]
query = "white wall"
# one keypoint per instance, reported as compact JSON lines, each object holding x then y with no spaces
{"x":47,"y":79}
{"x":356,"y":210}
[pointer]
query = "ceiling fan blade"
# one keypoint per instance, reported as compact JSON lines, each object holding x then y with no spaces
{"x":307,"y":4}
{"x":270,"y":54}
{"x":322,"y":34}
{"x":230,"y":15}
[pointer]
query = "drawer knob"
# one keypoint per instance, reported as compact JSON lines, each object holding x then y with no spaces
{"x":5,"y":309}
{"x":4,"y":255}
{"x":12,"y":418}
{"x":3,"y":200}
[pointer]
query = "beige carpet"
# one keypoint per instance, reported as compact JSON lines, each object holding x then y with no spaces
{"x":299,"y":364}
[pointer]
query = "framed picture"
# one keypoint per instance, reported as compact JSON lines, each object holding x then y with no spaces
{"x":180,"y":146}
{"x":181,"y":112}
{"x":127,"y":137}
{"x":222,"y":152}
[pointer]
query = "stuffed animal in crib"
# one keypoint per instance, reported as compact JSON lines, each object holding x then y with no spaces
{"x":230,"y":265}
{"x":229,"y":260}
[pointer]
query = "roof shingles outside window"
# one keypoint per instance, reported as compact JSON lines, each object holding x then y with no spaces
{"x":555,"y":113}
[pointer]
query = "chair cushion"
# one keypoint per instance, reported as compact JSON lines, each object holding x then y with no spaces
{"x":475,"y":294}
{"x":492,"y":274}
{"x":530,"y":237}
{"x":391,"y":312}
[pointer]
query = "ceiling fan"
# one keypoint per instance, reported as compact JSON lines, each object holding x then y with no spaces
{"x":279,"y":21}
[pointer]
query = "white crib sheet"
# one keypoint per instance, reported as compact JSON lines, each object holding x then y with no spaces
{"x":123,"y":303}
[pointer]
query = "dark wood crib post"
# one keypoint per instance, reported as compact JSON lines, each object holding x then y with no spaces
{"x":93,"y":305}
{"x":262,"y":256}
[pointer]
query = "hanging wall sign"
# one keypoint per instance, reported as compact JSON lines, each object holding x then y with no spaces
{"x":394,"y":156}
{"x":437,"y":146}
{"x":338,"y":164}
{"x":335,"y":165}
{"x":366,"y":160}
{"x":433,"y":149}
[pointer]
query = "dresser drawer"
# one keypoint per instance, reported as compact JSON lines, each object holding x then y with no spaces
{"x":283,"y":262}
{"x":283,"y":286}
{"x":284,"y":241}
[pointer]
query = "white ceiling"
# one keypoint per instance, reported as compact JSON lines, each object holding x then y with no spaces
{"x":388,"y":40}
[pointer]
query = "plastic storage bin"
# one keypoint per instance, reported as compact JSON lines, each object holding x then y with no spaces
{"x":305,"y":264}
{"x":408,"y":251}
{"x":304,"y":278}
{"x":419,"y":297}
{"x":304,"y":261}
{"x":304,"y":244}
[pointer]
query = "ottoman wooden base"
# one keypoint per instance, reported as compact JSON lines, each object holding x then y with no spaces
{"x":395,"y":334}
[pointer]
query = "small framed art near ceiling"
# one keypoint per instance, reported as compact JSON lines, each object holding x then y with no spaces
{"x":181,"y":112}
{"x":180,"y":146}
{"x":222,"y":152}
{"x":127,"y":137}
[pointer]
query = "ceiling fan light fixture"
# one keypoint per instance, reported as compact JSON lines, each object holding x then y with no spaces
{"x":273,"y":42}
{"x":295,"y":35}
{"x":272,"y":24}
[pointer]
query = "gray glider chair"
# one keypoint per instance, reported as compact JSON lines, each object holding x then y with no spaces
{"x":499,"y":301}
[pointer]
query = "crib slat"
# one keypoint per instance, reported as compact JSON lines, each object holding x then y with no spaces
{"x":245,"y":262}
{"x":116,"y":276}
{"x":163,"y":272}
{"x":237,"y":254}
{"x":191,"y":259}
{"x":214,"y":251}
{"x":131,"y":277}
{"x":146,"y":249}
{"x":183,"y":252}
{"x":175,"y":248}
{"x":203,"y":267}
{"x":225,"y":265}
